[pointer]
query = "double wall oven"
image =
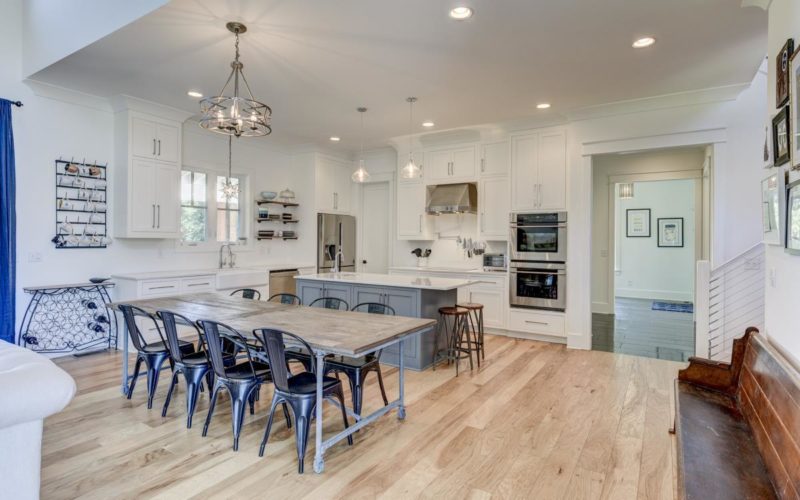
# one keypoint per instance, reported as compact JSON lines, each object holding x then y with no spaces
{"x":538,"y":265}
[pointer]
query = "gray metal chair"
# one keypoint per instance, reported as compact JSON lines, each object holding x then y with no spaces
{"x":286,"y":298}
{"x":247,"y":293}
{"x":330,"y":303}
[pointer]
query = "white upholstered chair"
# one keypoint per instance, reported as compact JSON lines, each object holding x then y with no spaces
{"x":31,"y":388}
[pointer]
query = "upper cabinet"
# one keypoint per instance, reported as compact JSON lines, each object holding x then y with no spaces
{"x":147,"y":178}
{"x":332,"y":184}
{"x":412,"y":221}
{"x":154,"y":140}
{"x":495,"y":159}
{"x":450,"y":165}
{"x":539,"y":171}
{"x":494,"y":208}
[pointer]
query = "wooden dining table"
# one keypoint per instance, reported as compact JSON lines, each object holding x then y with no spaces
{"x":327,"y":331}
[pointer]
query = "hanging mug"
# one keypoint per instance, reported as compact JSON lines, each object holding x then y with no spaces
{"x":71,"y":168}
{"x":94,"y":171}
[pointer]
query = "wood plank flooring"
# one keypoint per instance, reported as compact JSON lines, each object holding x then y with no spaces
{"x":536,"y":421}
{"x":637,"y":329}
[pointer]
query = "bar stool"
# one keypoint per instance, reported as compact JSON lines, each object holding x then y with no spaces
{"x":476,"y":324}
{"x":454,"y":328}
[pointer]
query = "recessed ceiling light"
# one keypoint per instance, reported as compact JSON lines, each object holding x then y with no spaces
{"x":461,"y":13}
{"x":543,"y":105}
{"x":428,"y":124}
{"x":644,"y":42}
{"x":194,"y":93}
{"x":335,"y":138}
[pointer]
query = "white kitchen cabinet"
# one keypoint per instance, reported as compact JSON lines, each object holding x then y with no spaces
{"x":495,"y":159}
{"x":450,"y":165}
{"x":494,"y":207}
{"x":154,"y":139}
{"x":333,"y":185}
{"x":539,"y":171}
{"x":537,"y":322}
{"x":412,"y":222}
{"x":147,"y":178}
{"x":494,"y":304}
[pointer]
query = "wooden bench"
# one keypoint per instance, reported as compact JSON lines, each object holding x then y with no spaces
{"x":738,"y":425}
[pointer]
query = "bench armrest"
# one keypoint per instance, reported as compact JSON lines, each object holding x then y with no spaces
{"x":718,"y":375}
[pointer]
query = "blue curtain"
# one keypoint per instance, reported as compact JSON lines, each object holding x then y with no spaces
{"x":8,"y":225}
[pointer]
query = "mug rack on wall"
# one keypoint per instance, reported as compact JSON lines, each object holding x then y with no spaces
{"x":81,"y":205}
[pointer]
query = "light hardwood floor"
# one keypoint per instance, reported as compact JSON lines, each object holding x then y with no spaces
{"x":536,"y":421}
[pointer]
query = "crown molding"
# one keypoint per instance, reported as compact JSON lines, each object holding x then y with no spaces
{"x":68,"y":96}
{"x":693,"y":97}
{"x":123,"y":102}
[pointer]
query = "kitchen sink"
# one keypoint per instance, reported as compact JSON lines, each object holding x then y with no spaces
{"x":241,"y":277}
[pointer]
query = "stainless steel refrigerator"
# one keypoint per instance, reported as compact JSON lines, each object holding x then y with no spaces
{"x":335,"y":232}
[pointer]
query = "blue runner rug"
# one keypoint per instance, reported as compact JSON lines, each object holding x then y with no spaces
{"x":679,"y":307}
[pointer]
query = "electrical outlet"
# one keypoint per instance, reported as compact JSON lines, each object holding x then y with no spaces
{"x":35,"y":257}
{"x":630,"y":283}
{"x":603,"y":253}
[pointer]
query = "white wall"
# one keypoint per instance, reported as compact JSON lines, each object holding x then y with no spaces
{"x":631,"y":167}
{"x":783,"y":270}
{"x":643,"y":269}
{"x":49,"y":127}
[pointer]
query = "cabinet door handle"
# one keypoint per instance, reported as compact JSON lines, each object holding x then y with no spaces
{"x":420,"y":223}
{"x":159,"y":147}
{"x":537,"y":322}
{"x":154,"y":147}
{"x":483,"y":164}
{"x":541,"y":197}
{"x":154,"y":217}
{"x":158,"y":225}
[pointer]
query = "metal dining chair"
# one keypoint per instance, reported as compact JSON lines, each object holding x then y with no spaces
{"x":299,"y":390}
{"x":152,"y":354}
{"x":357,"y":369}
{"x":247,"y":293}
{"x":242,"y":380}
{"x":286,"y":298}
{"x":194,"y":366}
{"x":330,"y":303}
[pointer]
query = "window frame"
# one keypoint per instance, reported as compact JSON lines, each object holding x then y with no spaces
{"x":211,"y":244}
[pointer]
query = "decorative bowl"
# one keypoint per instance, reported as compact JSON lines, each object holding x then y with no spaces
{"x":287,"y":194}
{"x":98,"y":280}
{"x":268,"y":195}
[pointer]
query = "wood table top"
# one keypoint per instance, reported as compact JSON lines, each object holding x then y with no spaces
{"x":337,"y":332}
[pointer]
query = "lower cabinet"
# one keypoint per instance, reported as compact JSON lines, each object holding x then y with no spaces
{"x":309,"y":291}
{"x":494,"y":304}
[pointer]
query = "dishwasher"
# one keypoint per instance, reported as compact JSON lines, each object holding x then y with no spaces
{"x":282,"y":281}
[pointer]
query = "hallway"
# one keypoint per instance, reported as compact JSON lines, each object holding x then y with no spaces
{"x":639,"y":330}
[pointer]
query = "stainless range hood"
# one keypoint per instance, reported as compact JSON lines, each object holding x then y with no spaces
{"x":452,"y":199}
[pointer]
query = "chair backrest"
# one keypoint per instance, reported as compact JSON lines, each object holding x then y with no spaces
{"x":247,"y":293}
{"x":170,"y":321}
{"x":274,"y":344}
{"x":330,"y":303}
{"x":129,"y":313}
{"x":286,"y":298}
{"x":215,"y":333}
{"x":374,"y":308}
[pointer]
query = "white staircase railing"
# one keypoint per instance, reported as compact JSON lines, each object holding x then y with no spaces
{"x":728,"y":300}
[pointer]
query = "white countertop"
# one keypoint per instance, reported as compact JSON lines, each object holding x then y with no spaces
{"x":389,"y":280}
{"x":188,"y":273}
{"x":451,"y":270}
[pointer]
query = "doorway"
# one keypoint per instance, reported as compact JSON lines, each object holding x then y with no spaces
{"x":650,"y":234}
{"x":375,"y":227}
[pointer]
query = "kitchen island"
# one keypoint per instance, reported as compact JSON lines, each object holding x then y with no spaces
{"x":408,"y":295}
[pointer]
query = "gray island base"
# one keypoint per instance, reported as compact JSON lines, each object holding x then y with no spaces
{"x":407,"y":295}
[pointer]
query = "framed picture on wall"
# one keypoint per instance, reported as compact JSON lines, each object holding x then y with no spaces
{"x":670,"y":232}
{"x":637,"y":222}
{"x":794,"y":85}
{"x":782,"y":73}
{"x":781,"y":147}
{"x":770,"y":209}
{"x":793,"y":218}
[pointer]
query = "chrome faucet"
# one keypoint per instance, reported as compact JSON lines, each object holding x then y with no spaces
{"x":231,"y":260}
{"x":337,"y":261}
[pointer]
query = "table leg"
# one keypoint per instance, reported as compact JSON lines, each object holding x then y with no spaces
{"x":124,"y":358}
{"x":401,"y":409}
{"x":319,"y":462}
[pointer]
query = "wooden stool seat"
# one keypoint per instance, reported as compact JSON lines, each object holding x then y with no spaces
{"x":453,"y":311}
{"x":472,"y":306}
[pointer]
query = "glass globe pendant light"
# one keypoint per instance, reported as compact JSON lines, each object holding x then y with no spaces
{"x":361,"y":174}
{"x":229,"y":189}
{"x":238,"y":115}
{"x":410,"y":170}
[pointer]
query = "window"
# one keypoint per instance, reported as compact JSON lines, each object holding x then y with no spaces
{"x":229,"y":221}
{"x":194,"y":211}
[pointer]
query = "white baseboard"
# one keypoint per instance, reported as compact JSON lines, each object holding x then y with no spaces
{"x":635,"y":293}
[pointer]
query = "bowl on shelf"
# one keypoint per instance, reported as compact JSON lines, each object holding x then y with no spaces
{"x":268,"y":195}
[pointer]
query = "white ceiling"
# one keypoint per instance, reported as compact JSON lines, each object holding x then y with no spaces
{"x":315,"y":61}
